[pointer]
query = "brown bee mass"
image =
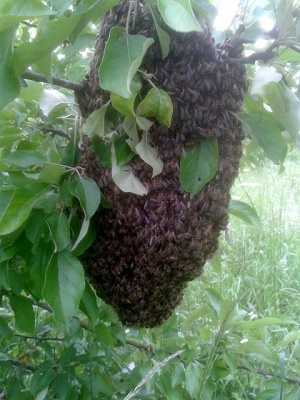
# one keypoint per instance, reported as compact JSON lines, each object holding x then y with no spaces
{"x":148,"y":247}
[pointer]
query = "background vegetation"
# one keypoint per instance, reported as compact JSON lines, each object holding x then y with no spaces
{"x":236,"y":333}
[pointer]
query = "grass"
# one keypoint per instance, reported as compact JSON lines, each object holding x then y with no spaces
{"x":259,"y":268}
{"x":260,"y":265}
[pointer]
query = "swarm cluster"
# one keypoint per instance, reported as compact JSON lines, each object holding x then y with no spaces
{"x":149,"y":247}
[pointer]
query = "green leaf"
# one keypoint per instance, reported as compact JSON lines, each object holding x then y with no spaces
{"x":84,"y":239}
{"x":253,"y":347}
{"x":262,"y":78}
{"x":193,"y":377}
{"x":19,"y":207}
{"x":25,"y":158}
{"x":37,"y":266}
{"x":124,"y":178}
{"x":40,"y":380}
{"x":96,"y":384}
{"x":96,"y":124}
{"x":124,"y":106}
{"x":103,"y":151}
{"x":88,"y":303}
{"x":194,"y":316}
{"x":90,"y":10}
{"x":199,"y":165}
{"x":163,"y":36}
{"x":215,"y":299}
{"x":294,"y":394}
{"x":51,"y":174}
{"x":122,"y":57}
{"x":9,"y":83}
{"x":267,"y":134}
{"x":47,"y":39}
{"x":130,"y":127}
{"x":72,"y":153}
{"x":150,"y":155}
{"x":286,"y":108}
{"x":289,"y":338}
{"x":205,"y":10}
{"x":50,"y":99}
{"x":244,"y":211}
{"x":102,"y":334}
{"x":14,"y":11}
{"x":59,"y":229}
{"x":88,"y":194}
{"x":24,"y":314}
{"x":64,"y":285}
{"x":123,"y":151}
{"x":178,"y":14}
{"x":5,"y":331}
{"x":158,"y":104}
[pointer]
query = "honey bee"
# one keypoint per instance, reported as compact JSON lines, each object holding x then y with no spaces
{"x":190,"y":143}
{"x":218,"y":77}
{"x":160,"y":209}
{"x":215,"y":104}
{"x":178,"y":225}
{"x":201,"y":85}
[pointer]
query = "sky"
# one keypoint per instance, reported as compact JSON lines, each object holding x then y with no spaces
{"x":226,"y":11}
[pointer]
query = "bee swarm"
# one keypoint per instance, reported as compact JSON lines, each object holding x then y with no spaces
{"x":148,"y":247}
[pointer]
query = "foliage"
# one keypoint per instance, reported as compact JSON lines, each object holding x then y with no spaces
{"x":57,"y":338}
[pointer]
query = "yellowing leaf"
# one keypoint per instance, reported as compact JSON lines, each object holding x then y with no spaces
{"x":124,"y":178}
{"x":158,"y":104}
{"x":150,"y":155}
{"x":130,"y":127}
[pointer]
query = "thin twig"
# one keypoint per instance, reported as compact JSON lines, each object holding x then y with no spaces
{"x":39,"y":338}
{"x":295,"y":381}
{"x":86,"y":327}
{"x":56,"y":81}
{"x":139,"y":345}
{"x":29,"y":24}
{"x":58,"y":132}
{"x":18,"y":363}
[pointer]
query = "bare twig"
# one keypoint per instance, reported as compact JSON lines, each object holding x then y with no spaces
{"x":56,"y":81}
{"x":40,"y":338}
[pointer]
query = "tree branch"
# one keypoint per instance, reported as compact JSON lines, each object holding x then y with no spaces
{"x":18,"y":363}
{"x":56,"y":81}
{"x":85,"y":326}
{"x":264,"y":56}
